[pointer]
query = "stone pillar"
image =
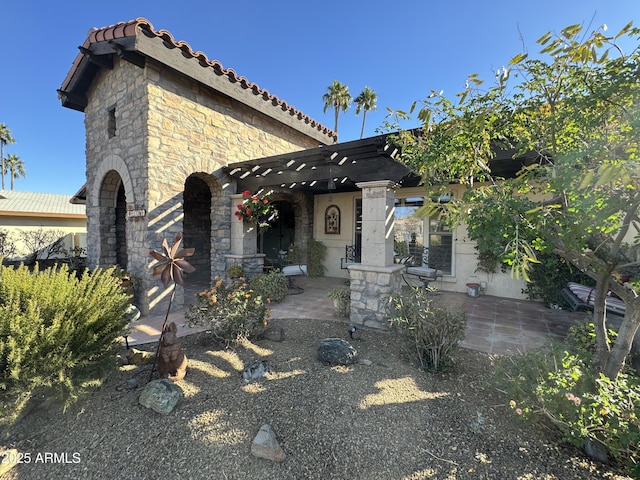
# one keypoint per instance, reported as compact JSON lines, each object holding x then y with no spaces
{"x":377,"y":276}
{"x":244,"y":243}
{"x":377,"y":222}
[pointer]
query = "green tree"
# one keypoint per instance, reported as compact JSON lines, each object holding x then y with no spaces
{"x":5,"y":138}
{"x":338,"y":98}
{"x":364,"y":102}
{"x":14,"y":167}
{"x":574,"y":111}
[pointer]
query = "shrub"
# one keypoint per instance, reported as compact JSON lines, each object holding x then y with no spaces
{"x":272,"y":286}
{"x":235,"y":271}
{"x":559,"y":385}
{"x":58,"y":333}
{"x":432,"y":333}
{"x":317,"y":254}
{"x":342,"y":300}
{"x":581,"y":339}
{"x":232,"y":311}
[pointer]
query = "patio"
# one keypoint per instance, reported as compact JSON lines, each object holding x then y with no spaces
{"x":494,"y":325}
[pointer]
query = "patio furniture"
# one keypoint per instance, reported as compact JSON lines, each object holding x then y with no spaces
{"x":581,"y":298}
{"x":291,"y":272}
{"x":424,"y":269}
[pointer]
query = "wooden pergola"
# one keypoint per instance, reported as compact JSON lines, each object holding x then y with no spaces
{"x":339,"y":167}
{"x":325,"y":169}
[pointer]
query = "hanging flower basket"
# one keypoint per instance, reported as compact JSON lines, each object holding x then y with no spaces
{"x":256,"y":210}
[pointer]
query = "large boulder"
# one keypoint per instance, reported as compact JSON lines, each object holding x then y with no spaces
{"x":161,"y":396}
{"x":336,"y":351}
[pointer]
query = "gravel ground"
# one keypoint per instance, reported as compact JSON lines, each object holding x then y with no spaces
{"x":383,"y":419}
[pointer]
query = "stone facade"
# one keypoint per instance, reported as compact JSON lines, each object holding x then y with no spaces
{"x":149,"y":130}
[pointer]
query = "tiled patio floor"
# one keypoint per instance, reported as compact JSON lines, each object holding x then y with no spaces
{"x":494,"y":324}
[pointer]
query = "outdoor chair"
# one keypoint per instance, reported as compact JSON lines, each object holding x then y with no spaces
{"x":291,"y":272}
{"x":423,"y":268}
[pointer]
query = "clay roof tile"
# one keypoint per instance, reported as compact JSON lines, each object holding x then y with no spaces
{"x":142,"y":25}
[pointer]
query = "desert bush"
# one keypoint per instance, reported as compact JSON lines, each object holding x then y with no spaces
{"x":232,"y":311}
{"x":560,"y":386}
{"x":271,"y":286}
{"x":432,"y":332}
{"x":581,"y":339}
{"x":58,"y":333}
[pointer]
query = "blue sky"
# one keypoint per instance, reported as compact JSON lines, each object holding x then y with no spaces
{"x":295,"y":49}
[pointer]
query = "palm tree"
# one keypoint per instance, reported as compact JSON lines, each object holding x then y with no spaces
{"x":365,"y":101}
{"x":338,"y":98}
{"x":14,"y":167}
{"x":5,"y":138}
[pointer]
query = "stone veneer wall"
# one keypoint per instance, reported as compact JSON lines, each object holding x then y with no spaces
{"x":168,"y":127}
{"x":370,"y":285}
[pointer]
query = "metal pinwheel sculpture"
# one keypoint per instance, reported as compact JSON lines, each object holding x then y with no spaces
{"x":171,"y":264}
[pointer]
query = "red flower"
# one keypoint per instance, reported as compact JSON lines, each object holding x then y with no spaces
{"x":248,"y":211}
{"x":240,"y":206}
{"x":246,"y":194}
{"x":265,"y":201}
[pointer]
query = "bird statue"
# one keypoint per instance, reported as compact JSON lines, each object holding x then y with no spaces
{"x":352,"y":331}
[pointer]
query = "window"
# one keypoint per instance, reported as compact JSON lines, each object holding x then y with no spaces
{"x":440,"y":246}
{"x":111,"y":122}
{"x":409,"y":228}
{"x":441,"y":240}
{"x":412,"y":233}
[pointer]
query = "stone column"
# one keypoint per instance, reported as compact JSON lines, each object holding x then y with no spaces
{"x":377,"y":276}
{"x":377,"y":222}
{"x":244,"y":243}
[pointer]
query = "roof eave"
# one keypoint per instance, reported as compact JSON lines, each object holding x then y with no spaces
{"x":134,"y":41}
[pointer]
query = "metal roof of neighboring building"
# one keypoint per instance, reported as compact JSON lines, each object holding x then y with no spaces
{"x":16,"y":203}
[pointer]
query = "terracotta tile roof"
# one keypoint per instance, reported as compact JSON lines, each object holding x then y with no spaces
{"x":142,"y":25}
{"x":17,"y":203}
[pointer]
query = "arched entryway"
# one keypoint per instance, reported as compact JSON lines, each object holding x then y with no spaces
{"x":197,"y":223}
{"x":281,"y":234}
{"x":113,"y":222}
{"x":294,"y":226}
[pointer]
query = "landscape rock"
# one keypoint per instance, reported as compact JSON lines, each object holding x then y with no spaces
{"x":265,"y":445}
{"x":336,"y":351}
{"x":131,"y":314}
{"x":596,"y":451}
{"x":255,"y":370}
{"x":161,"y":396}
{"x":273,"y":332}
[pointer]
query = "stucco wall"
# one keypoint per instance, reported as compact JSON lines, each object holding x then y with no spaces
{"x":73,"y":229}
{"x":465,"y":256}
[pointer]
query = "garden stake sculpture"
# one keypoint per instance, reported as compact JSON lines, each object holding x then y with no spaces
{"x":171,"y":264}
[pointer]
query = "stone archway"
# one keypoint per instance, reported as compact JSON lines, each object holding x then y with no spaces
{"x":281,"y":233}
{"x":108,"y":229}
{"x":300,"y":206}
{"x":197,"y":223}
{"x":112,"y":220}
